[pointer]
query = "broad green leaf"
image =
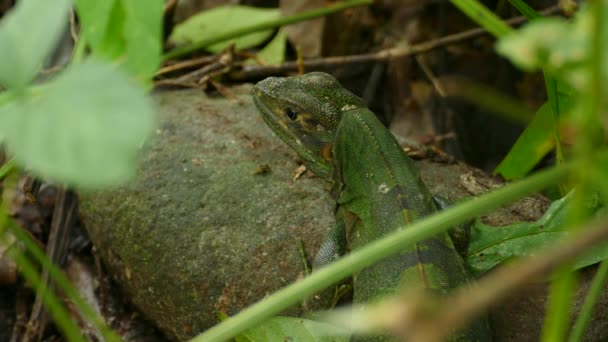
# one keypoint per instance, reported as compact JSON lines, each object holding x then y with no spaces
{"x":536,"y":140}
{"x":28,"y":34}
{"x":531,"y":146}
{"x":490,"y":246}
{"x":143,"y":34}
{"x":126,"y":30}
{"x":100,"y":25}
{"x":221,"y":20}
{"x":274,"y":52}
{"x":562,"y":48}
{"x":84,"y":128}
{"x":294,"y":329}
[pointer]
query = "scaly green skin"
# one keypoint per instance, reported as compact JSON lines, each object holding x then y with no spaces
{"x":377,"y":187}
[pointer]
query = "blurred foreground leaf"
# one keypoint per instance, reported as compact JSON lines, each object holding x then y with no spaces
{"x":28,"y":34}
{"x":84,"y":128}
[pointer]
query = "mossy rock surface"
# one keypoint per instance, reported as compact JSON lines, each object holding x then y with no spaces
{"x":202,"y":229}
{"x":215,"y":221}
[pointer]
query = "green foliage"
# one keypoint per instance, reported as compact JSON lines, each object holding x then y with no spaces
{"x":239,"y":31}
{"x":572,"y":52}
{"x":24,"y":50}
{"x":294,"y":329}
{"x":128,"y":31}
{"x":569,"y":96}
{"x":221,"y":20}
{"x":377,"y":250}
{"x":31,"y":274}
{"x":526,"y":10}
{"x":562,"y":48}
{"x":274,"y":52}
{"x":55,"y":309}
{"x":69,"y":133}
{"x":491,"y":246}
{"x":533,"y":144}
{"x":597,"y":287}
{"x":84,"y":126}
{"x":557,"y":45}
{"x":483,"y":16}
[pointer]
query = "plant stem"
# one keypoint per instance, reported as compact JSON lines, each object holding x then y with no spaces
{"x":550,"y":84}
{"x":559,"y":307}
{"x":553,"y":98}
{"x":6,"y":168}
{"x":319,"y":12}
{"x":378,"y":250}
{"x":585,"y":124}
{"x":56,"y":310}
{"x":7,"y":96}
{"x":597,"y":286}
{"x":62,"y":282}
{"x":524,"y":9}
{"x":483,"y":16}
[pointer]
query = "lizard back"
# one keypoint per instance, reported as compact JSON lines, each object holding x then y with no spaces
{"x":384,"y":191}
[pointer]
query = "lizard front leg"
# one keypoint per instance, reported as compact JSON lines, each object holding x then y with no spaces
{"x":333,"y":247}
{"x":459,"y":233}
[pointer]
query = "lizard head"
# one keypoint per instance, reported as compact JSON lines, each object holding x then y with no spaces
{"x":305,"y":111}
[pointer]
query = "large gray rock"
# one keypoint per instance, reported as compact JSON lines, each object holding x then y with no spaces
{"x":203,"y":229}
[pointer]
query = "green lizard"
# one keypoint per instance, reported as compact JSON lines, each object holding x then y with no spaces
{"x":376,"y":186}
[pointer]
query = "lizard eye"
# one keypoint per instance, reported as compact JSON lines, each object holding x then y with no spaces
{"x":290,"y":113}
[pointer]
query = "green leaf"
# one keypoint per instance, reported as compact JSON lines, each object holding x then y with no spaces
{"x":143,"y":34}
{"x":294,"y":329}
{"x":126,"y":30}
{"x":539,"y":43}
{"x":274,"y":52}
{"x":531,"y":146}
{"x":28,"y":34}
{"x":100,"y":21}
{"x":490,"y":246}
{"x":524,"y":9}
{"x":480,"y":14}
{"x":84,"y":128}
{"x":536,"y":141}
{"x":221,"y":20}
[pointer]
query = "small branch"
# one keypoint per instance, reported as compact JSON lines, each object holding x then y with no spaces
{"x":187,"y":64}
{"x":57,"y":250}
{"x":260,"y":71}
{"x":198,"y":78}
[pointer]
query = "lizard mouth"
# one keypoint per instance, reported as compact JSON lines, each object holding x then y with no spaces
{"x":265,"y":101}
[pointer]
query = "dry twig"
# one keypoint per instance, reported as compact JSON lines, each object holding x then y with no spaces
{"x":260,"y":71}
